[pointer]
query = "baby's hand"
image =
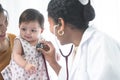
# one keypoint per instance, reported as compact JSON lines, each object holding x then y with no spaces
{"x":30,"y":68}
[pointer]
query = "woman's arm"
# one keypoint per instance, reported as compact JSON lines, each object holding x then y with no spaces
{"x":50,"y":56}
{"x":56,"y":67}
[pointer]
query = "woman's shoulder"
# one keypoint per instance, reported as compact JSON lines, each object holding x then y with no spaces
{"x":11,"y":36}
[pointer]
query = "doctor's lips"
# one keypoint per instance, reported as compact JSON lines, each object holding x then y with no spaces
{"x":43,"y":46}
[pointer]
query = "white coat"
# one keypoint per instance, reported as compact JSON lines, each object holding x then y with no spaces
{"x":97,"y":58}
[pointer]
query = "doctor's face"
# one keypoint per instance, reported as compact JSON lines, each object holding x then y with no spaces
{"x":51,"y":23}
{"x":54,"y":28}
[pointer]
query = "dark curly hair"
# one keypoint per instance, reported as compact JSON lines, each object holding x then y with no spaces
{"x":32,"y":15}
{"x":72,"y":12}
{"x":2,"y":10}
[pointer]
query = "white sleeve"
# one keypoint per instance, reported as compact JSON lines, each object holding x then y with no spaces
{"x":62,"y":74}
{"x":104,"y":60}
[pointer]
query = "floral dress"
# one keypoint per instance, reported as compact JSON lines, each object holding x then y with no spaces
{"x":31,"y":55}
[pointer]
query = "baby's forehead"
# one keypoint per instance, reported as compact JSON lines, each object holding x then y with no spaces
{"x":30,"y":24}
{"x":30,"y":21}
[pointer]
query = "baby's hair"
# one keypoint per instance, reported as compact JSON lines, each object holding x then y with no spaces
{"x":72,"y":11}
{"x":32,"y":15}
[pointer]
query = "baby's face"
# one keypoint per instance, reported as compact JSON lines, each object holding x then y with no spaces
{"x":30,"y":31}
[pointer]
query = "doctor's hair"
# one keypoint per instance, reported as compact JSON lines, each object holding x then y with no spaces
{"x":72,"y":12}
{"x":3,"y":11}
{"x":32,"y":15}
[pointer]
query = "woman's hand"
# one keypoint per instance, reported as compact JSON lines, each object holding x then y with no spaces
{"x":50,"y":55}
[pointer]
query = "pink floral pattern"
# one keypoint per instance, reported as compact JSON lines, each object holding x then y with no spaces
{"x":15,"y":72}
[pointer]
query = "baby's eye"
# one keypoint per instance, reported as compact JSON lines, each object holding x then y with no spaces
{"x":23,"y":29}
{"x":34,"y":30}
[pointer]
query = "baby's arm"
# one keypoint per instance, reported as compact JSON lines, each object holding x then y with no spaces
{"x":17,"y":56}
{"x":17,"y":53}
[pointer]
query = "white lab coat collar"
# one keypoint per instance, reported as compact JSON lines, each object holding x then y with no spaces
{"x":79,"y":58}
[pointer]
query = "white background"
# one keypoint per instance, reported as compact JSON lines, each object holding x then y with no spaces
{"x":107,"y":16}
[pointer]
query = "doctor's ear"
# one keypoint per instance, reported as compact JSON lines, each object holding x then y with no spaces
{"x":61,"y":26}
{"x":61,"y":22}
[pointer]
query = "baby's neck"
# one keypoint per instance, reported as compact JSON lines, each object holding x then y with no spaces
{"x":33,"y":43}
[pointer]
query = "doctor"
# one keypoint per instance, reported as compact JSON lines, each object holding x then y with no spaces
{"x":96,"y":56}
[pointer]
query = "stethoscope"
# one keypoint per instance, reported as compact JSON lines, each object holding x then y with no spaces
{"x":66,"y":59}
{"x":65,"y":56}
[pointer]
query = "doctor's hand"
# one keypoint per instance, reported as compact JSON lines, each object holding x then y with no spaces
{"x":50,"y":56}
